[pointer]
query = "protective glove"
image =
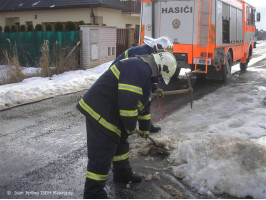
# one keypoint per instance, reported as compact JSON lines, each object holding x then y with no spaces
{"x":159,"y":91}
{"x":131,"y":132}
{"x":143,"y":134}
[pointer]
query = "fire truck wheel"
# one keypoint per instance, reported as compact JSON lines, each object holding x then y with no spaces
{"x":243,"y":66}
{"x":227,"y":68}
{"x":177,"y":72}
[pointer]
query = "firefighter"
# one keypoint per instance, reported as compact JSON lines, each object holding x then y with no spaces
{"x":150,"y":46}
{"x":111,"y":107}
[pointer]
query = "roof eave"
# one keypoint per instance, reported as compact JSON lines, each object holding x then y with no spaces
{"x":63,"y":7}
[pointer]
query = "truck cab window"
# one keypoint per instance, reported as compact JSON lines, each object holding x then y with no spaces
{"x":250,"y":16}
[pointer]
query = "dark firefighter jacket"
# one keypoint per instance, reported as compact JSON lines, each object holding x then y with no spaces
{"x":116,"y":100}
{"x":138,"y":51}
{"x":134,"y":51}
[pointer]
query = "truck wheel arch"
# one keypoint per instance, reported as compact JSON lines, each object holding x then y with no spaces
{"x":227,"y":67}
{"x":230,"y":50}
{"x":244,"y":66}
{"x":250,"y":52}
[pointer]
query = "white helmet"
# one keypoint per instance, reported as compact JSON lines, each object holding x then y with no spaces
{"x":164,"y":43}
{"x":167,"y":64}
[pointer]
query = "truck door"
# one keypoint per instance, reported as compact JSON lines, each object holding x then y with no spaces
{"x":146,"y":20}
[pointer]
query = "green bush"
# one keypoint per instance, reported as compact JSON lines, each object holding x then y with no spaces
{"x":1,"y":29}
{"x":7,"y":29}
{"x":38,"y":27}
{"x":59,"y":26}
{"x":81,"y":22}
{"x":30,"y":28}
{"x":48,"y":27}
{"x":14,"y":29}
{"x":70,"y":26}
{"x":22,"y":28}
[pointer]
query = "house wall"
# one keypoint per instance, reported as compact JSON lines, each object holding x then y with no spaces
{"x":111,"y":17}
{"x":117,"y":19}
{"x":98,"y":45}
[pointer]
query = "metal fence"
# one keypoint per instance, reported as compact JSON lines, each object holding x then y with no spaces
{"x":28,"y":44}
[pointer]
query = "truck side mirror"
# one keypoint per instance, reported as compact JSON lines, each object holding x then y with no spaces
{"x":258,"y":17}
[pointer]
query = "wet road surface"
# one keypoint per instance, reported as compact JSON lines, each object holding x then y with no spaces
{"x":43,"y":151}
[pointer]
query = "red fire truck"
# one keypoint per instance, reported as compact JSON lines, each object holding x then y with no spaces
{"x":209,"y":36}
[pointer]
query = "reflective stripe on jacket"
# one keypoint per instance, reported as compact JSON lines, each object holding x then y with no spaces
{"x":118,"y":96}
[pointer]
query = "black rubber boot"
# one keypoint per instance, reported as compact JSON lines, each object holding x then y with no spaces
{"x":125,"y":176}
{"x":94,"y":190}
{"x":154,"y":129}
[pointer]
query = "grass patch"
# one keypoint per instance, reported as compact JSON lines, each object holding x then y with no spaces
{"x":61,"y":61}
{"x":58,"y":61}
{"x":13,"y":74}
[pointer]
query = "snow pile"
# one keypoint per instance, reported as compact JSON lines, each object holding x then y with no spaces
{"x":220,"y":145}
{"x":36,"y":88}
{"x":218,"y":166}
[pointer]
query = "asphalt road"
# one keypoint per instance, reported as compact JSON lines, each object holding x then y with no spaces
{"x":43,"y":150}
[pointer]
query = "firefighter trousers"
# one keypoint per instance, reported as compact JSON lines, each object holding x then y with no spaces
{"x":102,"y":151}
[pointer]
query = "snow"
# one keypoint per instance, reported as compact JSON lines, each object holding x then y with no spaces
{"x":223,"y":148}
{"x":34,"y":4}
{"x":218,"y":147}
{"x":37,"y":88}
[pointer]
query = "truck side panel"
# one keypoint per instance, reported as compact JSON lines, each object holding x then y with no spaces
{"x":146,"y":19}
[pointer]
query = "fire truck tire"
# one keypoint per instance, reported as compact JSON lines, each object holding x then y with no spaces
{"x":177,"y":72}
{"x":243,"y":66}
{"x":227,"y":68}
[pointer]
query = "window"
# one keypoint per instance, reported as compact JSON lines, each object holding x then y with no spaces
{"x":10,"y":21}
{"x":250,"y":16}
{"x":128,"y":25}
{"x":29,"y":23}
{"x":226,"y":23}
{"x":113,"y":50}
{"x":109,"y":51}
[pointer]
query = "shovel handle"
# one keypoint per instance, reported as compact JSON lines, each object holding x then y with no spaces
{"x":149,"y":137}
{"x":183,"y":91}
{"x":178,"y":91}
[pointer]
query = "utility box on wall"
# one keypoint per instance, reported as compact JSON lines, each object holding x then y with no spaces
{"x":94,"y":52}
{"x":98,"y":45}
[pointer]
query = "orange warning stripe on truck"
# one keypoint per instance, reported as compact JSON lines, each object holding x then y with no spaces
{"x":142,"y":33}
{"x":213,"y":33}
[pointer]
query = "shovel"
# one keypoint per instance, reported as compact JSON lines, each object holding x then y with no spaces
{"x":182,"y":91}
{"x":159,"y":147}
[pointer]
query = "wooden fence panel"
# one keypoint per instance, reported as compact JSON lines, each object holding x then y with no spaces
{"x":122,"y":41}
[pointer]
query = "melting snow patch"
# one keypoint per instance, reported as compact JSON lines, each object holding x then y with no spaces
{"x":237,"y":168}
{"x":36,"y":3}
